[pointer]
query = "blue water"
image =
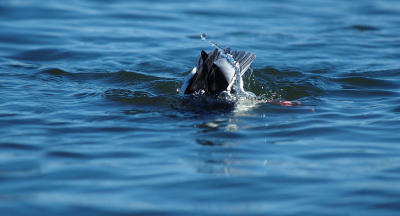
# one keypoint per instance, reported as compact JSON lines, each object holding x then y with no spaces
{"x":91,"y":122}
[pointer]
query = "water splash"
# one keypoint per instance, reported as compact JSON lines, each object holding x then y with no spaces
{"x":244,"y":100}
{"x":203,"y":36}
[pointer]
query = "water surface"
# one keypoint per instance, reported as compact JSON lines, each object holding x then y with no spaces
{"x":91,"y":123}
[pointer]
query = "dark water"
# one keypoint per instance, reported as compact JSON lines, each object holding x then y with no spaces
{"x":91,"y":123}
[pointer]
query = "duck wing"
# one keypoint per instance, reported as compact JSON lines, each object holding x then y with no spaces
{"x":242,"y":57}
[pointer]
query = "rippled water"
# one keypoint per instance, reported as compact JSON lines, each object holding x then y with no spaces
{"x":91,"y":123}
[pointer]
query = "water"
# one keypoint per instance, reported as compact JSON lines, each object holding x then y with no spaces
{"x":91,"y":123}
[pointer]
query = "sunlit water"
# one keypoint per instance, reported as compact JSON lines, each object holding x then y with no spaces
{"x":91,"y":122}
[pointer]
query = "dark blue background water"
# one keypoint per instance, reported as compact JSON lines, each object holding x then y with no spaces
{"x":91,"y":123}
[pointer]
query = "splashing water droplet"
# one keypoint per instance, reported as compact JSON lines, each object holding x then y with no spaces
{"x":203,"y":36}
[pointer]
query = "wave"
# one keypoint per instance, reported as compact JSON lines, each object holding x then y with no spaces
{"x":152,"y":92}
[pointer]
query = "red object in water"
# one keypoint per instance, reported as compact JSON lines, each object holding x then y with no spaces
{"x":285,"y":103}
{"x":290,"y":103}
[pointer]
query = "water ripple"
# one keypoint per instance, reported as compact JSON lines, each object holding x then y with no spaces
{"x":92,"y":123}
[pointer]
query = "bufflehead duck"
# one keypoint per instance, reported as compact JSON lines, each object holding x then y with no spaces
{"x":218,"y":71}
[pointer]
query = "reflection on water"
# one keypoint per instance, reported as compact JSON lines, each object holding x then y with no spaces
{"x":222,"y":154}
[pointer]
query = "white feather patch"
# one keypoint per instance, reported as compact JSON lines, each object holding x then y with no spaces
{"x":187,"y":80}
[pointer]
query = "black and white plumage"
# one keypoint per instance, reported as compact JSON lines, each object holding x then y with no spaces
{"x":214,"y":73}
